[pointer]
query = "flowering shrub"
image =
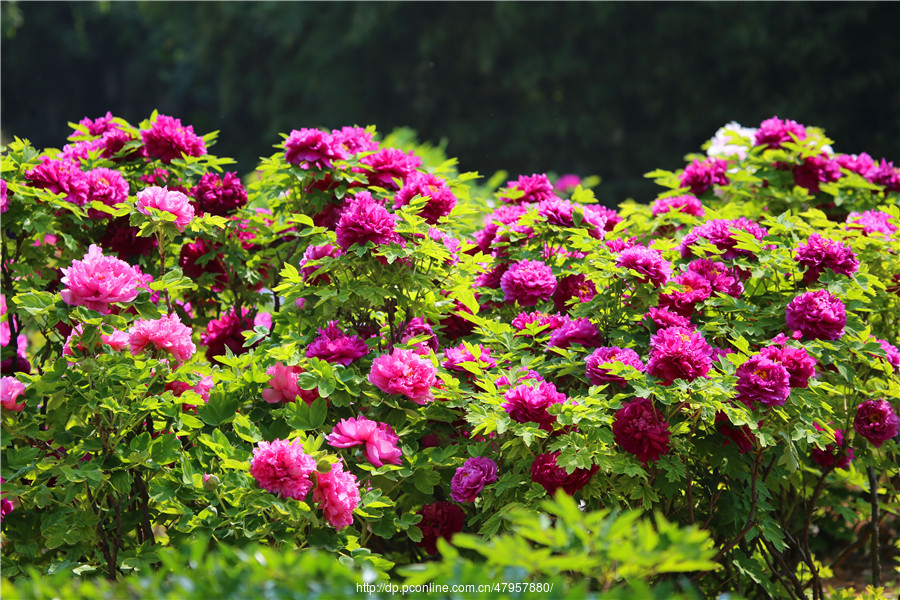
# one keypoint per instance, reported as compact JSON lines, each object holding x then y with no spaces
{"x":725,"y":356}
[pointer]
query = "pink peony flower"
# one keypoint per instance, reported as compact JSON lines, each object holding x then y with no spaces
{"x":719,"y":233}
{"x":227,"y":332}
{"x":662,"y":318}
{"x":201,"y":388}
{"x":528,"y":403}
{"x":440,"y":200}
{"x":774,"y":132}
{"x":439,"y":520}
{"x":818,"y":315}
{"x":505,"y":217}
{"x":860,"y":164}
{"x":5,"y":332}
{"x":799,"y":364}
{"x":118,"y":341}
{"x":208,"y":253}
{"x":546,"y":472}
{"x":167,"y":139}
{"x":283,"y":387}
{"x":834,"y":456}
{"x":764,"y":381}
{"x":815,"y":170}
{"x":6,"y":506}
{"x":353,"y":140}
{"x":892,"y":353}
{"x":218,"y":195}
{"x":106,"y":186}
{"x":567,"y":183}
{"x":742,"y":437}
{"x":470,"y":479}
{"x":821,"y":253}
{"x":281,"y":467}
{"x":720,"y":278}
{"x":685,"y":204}
{"x":649,"y":264}
{"x":549,"y":322}
{"x":699,"y":176}
{"x":312,"y":148}
{"x":885,"y":174}
{"x":639,"y":428}
{"x":528,"y":282}
{"x":96,"y":281}
{"x":599,"y":375}
{"x":10,"y":389}
{"x":678,"y":353}
{"x":334,"y":346}
{"x":167,"y":201}
{"x":876,"y":421}
{"x":417,"y":327}
{"x":167,"y":334}
{"x":404,"y":372}
{"x":696,"y":289}
{"x":871,"y":221}
{"x":389,"y":164}
{"x":337,"y":493}
{"x":98,"y":126}
{"x":557,"y":211}
{"x":576,"y":331}
{"x":61,"y":177}
{"x":315,"y":253}
{"x":455,"y":357}
{"x":379,"y":438}
{"x":4,"y":197}
{"x":365,"y":220}
{"x":573,"y":287}
{"x":529,"y":189}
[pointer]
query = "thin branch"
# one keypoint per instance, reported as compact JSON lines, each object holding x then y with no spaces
{"x":876,"y":561}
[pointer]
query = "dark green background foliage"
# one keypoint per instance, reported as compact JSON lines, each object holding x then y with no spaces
{"x":613,"y":89}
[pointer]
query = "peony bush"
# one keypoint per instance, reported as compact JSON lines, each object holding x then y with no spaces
{"x":358,"y":350}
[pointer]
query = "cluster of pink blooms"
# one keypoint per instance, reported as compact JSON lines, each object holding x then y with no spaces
{"x":406,"y":373}
{"x":640,"y":429}
{"x":388,"y":166}
{"x":10,"y":389}
{"x":456,"y":357}
{"x":117,"y":341}
{"x":379,"y":439}
{"x":470,"y":479}
{"x":774,"y":132}
{"x":283,"y":387}
{"x":576,"y":331}
{"x":96,"y":281}
{"x":598,"y":374}
{"x":544,"y":320}
{"x":818,"y":315}
{"x":872,"y":222}
{"x":334,"y":346}
{"x":166,"y":200}
{"x":167,"y":334}
{"x":167,"y":139}
{"x":528,"y":403}
{"x":529,"y":189}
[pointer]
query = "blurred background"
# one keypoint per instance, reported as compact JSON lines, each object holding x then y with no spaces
{"x":609,"y":89}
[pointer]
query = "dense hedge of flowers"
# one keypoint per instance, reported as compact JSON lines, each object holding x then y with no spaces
{"x":360,"y":349}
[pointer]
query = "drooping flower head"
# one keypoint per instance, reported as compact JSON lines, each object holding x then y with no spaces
{"x":167,"y":334}
{"x":699,"y":176}
{"x":404,"y":372}
{"x":819,"y":253}
{"x":168,"y":139}
{"x":388,"y":165}
{"x":337,"y":493}
{"x":576,"y":331}
{"x":528,"y":282}
{"x":597,"y":374}
{"x":282,"y":467}
{"x":529,"y":189}
{"x":283,"y":387}
{"x":648,"y":263}
{"x":167,"y":201}
{"x":10,"y":389}
{"x":639,"y":428}
{"x":365,"y":220}
{"x":96,"y":281}
{"x":218,"y":195}
{"x":334,"y":346}
{"x":439,"y":198}
{"x":817,"y":315}
{"x":678,"y":353}
{"x":470,"y":479}
{"x":685,"y":204}
{"x":762,"y":380}
{"x":774,"y":132}
{"x":876,"y":421}
{"x":379,"y":438}
{"x":439,"y":520}
{"x":834,"y":456}
{"x":528,"y":403}
{"x":546,"y":472}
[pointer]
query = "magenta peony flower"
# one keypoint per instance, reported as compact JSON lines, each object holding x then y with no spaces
{"x":227,"y":332}
{"x":576,"y":331}
{"x":311,"y":148}
{"x":353,"y":140}
{"x":5,"y":332}
{"x":218,"y":195}
{"x":549,"y":322}
{"x":439,"y":520}
{"x":470,"y":479}
{"x":678,"y":353}
{"x":334,"y":346}
{"x":528,"y":282}
{"x":885,"y":174}
{"x":417,"y":327}
{"x":742,"y":437}
{"x":10,"y":389}
{"x":764,"y":381}
{"x":860,"y":164}
{"x":404,"y":372}
{"x":168,"y":139}
{"x":649,"y":264}
{"x":871,"y":221}
{"x":529,"y":189}
{"x":696,"y":289}
{"x":815,"y":170}
{"x":4,"y":197}
{"x":96,"y":281}
{"x":797,"y":361}
{"x":662,"y":318}
{"x":720,"y":278}
{"x":557,"y":211}
{"x":337,"y":493}
{"x":380,"y":439}
{"x":314,"y":253}
{"x":6,"y":506}
{"x":818,"y":315}
{"x":61,"y":177}
{"x":821,"y":253}
{"x":833,"y":457}
{"x":167,"y":201}
{"x":640,"y":429}
{"x":567,"y":183}
{"x":201,"y":388}
{"x":774,"y":132}
{"x":281,"y":467}
{"x":440,"y":200}
{"x":98,"y":126}
{"x":389,"y":164}
{"x":892,"y":353}
{"x":876,"y":421}
{"x":528,"y":403}
{"x":455,"y":357}
{"x":546,"y":472}
{"x":685,"y":204}
{"x":118,"y":341}
{"x":573,"y":287}
{"x":599,"y":375}
{"x":210,"y":255}
{"x":106,"y":186}
{"x":166,"y":334}
{"x":283,"y":387}
{"x":365,"y":220}
{"x":699,"y":176}
{"x":719,"y":233}
{"x":503,"y":216}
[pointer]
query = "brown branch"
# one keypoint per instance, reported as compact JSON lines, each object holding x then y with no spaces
{"x":798,"y":589}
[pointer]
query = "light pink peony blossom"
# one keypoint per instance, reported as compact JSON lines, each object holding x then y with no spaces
{"x":379,"y":438}
{"x":168,"y":201}
{"x":10,"y":389}
{"x":167,"y":334}
{"x":404,"y":372}
{"x":97,"y":281}
{"x":282,"y":467}
{"x":337,"y":493}
{"x":283,"y":386}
